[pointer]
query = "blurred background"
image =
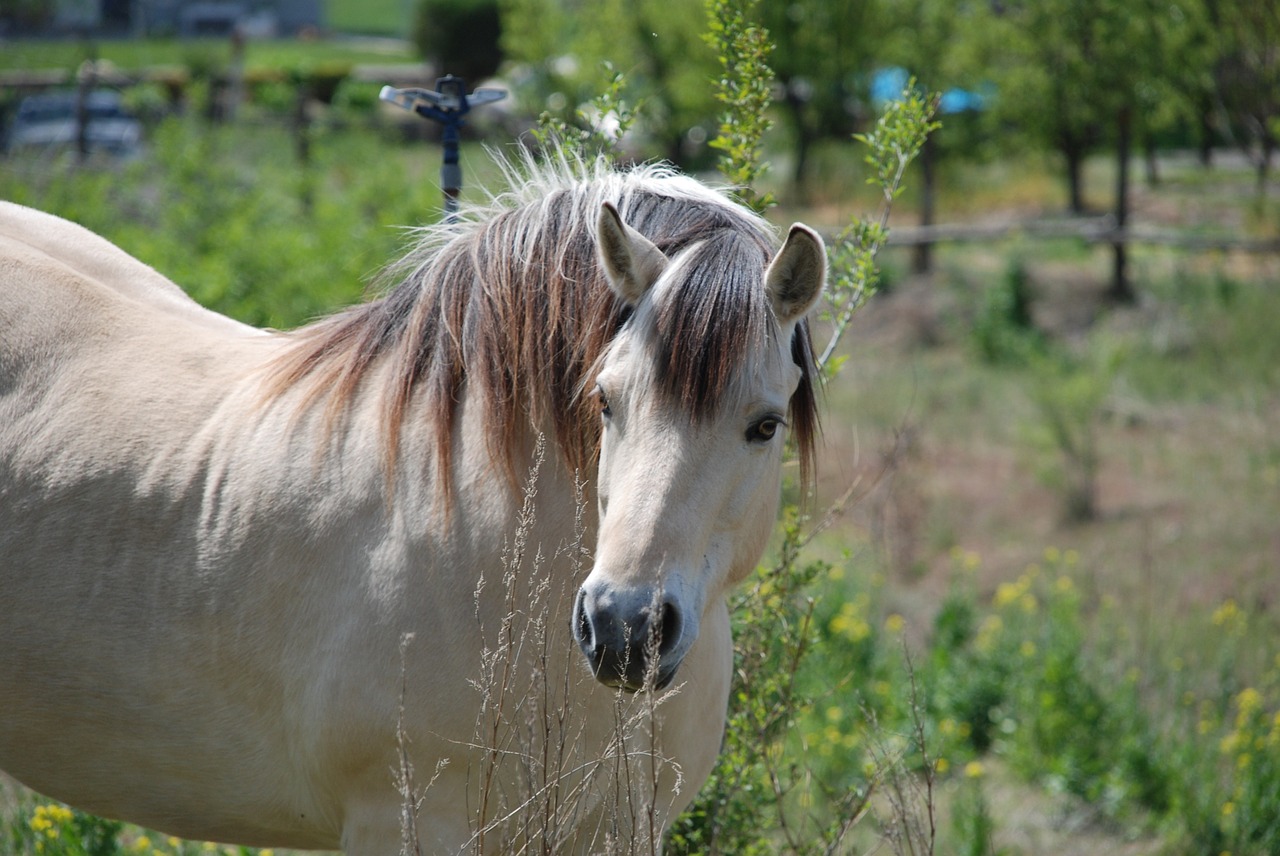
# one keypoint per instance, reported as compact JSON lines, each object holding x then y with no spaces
{"x":1053,"y":451}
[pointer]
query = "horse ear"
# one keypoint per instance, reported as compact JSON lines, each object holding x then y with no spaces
{"x":631,"y":261}
{"x":797,"y":274}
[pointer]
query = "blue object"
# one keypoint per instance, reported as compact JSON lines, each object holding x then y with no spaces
{"x":887,"y":85}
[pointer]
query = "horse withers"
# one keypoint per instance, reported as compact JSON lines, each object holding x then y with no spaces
{"x":332,"y":589}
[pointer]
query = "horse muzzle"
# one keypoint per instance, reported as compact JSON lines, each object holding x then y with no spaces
{"x":634,"y":639}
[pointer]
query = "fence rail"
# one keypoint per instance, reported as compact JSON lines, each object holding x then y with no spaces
{"x":1096,"y":230}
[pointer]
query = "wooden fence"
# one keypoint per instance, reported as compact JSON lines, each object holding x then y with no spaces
{"x":1094,"y":230}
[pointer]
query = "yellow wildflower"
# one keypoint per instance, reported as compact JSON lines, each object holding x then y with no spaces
{"x":974,"y":770}
{"x":1249,"y":700}
{"x":894,"y":623}
{"x":941,"y":765}
{"x":1052,"y":555}
{"x":142,"y":844}
{"x":1006,"y":593}
{"x":1226,"y":614}
{"x":987,"y":631}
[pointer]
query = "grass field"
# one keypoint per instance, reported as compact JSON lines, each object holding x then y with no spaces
{"x":376,"y":17}
{"x":1102,"y":684}
{"x":133,"y":55}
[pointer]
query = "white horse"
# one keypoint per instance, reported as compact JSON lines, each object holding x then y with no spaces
{"x":299,"y":590}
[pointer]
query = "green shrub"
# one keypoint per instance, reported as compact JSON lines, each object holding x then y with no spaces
{"x":1003,"y":330}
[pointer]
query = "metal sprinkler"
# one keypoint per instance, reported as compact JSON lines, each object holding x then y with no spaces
{"x":448,"y":104}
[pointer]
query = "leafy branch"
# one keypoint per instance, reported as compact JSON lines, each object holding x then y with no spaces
{"x":894,"y":142}
{"x":744,"y":91}
{"x":602,"y":123}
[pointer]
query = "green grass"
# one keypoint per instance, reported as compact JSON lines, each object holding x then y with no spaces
{"x":139,"y":54}
{"x":377,"y":17}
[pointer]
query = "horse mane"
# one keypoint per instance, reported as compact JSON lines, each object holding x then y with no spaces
{"x":510,"y":302}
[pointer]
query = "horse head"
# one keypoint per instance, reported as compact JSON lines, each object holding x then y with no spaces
{"x":694,"y":401}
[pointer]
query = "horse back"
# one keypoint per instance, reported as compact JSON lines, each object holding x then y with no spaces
{"x":38,"y":243}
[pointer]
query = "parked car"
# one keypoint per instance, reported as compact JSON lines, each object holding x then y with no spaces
{"x":49,"y":121}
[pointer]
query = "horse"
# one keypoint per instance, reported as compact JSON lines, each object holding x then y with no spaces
{"x":442,"y":572}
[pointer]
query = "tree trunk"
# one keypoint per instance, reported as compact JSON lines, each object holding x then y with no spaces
{"x":1206,"y":132}
{"x":1121,"y":289}
{"x":923,"y":260}
{"x":1268,"y":146}
{"x":1075,"y":176}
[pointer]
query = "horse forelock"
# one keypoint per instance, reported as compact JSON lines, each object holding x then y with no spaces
{"x":511,"y":304}
{"x":709,"y":324}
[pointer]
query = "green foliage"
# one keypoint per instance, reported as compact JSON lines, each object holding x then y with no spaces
{"x":743,"y":92}
{"x":1068,"y":392}
{"x":39,"y":827}
{"x":558,"y":46}
{"x":1003,"y":330}
{"x":743,"y":805}
{"x":600,"y":127}
{"x":973,"y":826}
{"x":242,"y":241}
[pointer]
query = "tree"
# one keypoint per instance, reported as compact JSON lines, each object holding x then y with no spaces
{"x":823,"y":58}
{"x":1081,"y":71}
{"x":462,"y":36}
{"x":938,"y":43}
{"x":1054,"y":77}
{"x":1247,"y":74}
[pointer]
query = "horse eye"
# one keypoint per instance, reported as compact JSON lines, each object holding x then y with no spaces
{"x":764,"y":430}
{"x":604,"y":403}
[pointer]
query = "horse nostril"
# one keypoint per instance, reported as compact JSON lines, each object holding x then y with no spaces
{"x":669,"y":628}
{"x":583,"y":630}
